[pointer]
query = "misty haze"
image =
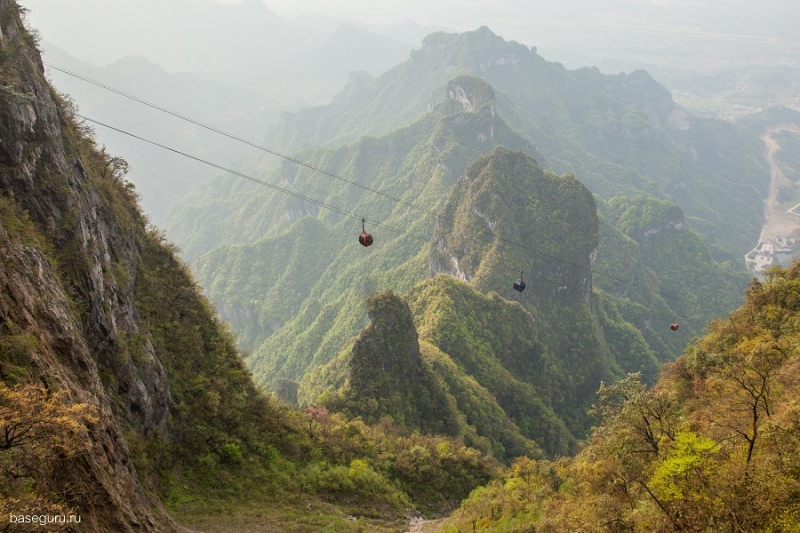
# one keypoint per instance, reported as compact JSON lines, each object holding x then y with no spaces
{"x":407,"y":267}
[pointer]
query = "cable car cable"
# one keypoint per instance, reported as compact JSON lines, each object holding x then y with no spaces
{"x":330,"y":174}
{"x":519,"y":285}
{"x":235,"y":137}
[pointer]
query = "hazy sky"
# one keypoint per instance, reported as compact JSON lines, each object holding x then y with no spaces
{"x":582,"y":31}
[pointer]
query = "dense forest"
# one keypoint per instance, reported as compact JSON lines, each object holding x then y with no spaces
{"x":713,"y":446}
{"x":357,"y":388}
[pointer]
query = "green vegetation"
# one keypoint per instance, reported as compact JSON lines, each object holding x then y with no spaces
{"x":535,"y":363}
{"x":650,"y":267}
{"x":387,"y":373}
{"x":619,"y":134}
{"x":547,"y":226}
{"x":712,"y":447}
{"x":291,"y":279}
{"x":143,"y":386}
{"x":295,"y":292}
{"x":546,"y":223}
{"x":129,"y":328}
{"x":495,"y":342}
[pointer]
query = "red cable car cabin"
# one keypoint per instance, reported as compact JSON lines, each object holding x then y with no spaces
{"x":365,"y":239}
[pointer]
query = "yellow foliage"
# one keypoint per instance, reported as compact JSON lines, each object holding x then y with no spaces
{"x":37,"y":429}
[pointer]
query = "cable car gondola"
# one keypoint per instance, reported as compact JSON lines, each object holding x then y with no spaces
{"x":365,"y":238}
{"x":674,"y":326}
{"x":519,"y":285}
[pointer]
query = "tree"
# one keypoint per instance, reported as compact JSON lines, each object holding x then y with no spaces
{"x":38,"y":429}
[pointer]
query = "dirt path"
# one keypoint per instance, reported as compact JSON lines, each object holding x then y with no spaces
{"x":420,"y":525}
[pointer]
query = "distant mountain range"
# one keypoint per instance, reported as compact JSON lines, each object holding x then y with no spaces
{"x":162,"y":178}
{"x":272,"y":65}
{"x":238,"y":44}
{"x":606,"y":276}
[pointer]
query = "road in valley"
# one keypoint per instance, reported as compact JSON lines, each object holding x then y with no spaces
{"x":781,"y":228}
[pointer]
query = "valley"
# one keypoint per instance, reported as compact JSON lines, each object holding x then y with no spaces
{"x":779,"y":234}
{"x":257,"y":367}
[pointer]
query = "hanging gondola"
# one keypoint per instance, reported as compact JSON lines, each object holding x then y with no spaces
{"x":674,"y":326}
{"x":519,"y":285}
{"x":365,"y":238}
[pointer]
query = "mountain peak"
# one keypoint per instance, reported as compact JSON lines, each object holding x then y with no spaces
{"x":258,"y":8}
{"x":551,"y":221}
{"x":472,"y":93}
{"x":388,"y":375}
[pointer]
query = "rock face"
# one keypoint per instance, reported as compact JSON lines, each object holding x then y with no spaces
{"x":387,"y":375}
{"x":505,"y":214}
{"x":473,"y":94}
{"x":51,"y":183}
{"x":71,"y":255}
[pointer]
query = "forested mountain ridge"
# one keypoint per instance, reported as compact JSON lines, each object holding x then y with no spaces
{"x":308,"y":296}
{"x":287,"y":276}
{"x":140,"y":408}
{"x":712,"y":446}
{"x":541,"y":354}
{"x":425,"y":157}
{"x":621,"y":135}
{"x":547,"y":224}
{"x":650,"y":264}
{"x":386,"y":371}
{"x":292,"y":282}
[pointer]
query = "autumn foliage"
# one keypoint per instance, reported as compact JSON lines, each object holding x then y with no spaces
{"x":39,"y":430}
{"x":714,"y":446}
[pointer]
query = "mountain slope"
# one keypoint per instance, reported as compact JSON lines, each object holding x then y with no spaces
{"x":542,"y":360}
{"x":714,"y":445}
{"x":651,"y":267}
{"x":505,"y":214}
{"x":294,"y":291}
{"x":387,"y":374}
{"x":123,"y":399}
{"x":484,"y":407}
{"x":619,"y":134}
{"x":414,"y":164}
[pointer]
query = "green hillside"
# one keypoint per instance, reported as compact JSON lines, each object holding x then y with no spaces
{"x":541,"y":357}
{"x":123,"y":398}
{"x":621,"y":135}
{"x":387,"y":372}
{"x":713,"y":446}
{"x":497,"y":343}
{"x":307,"y":279}
{"x":547,"y":226}
{"x":293,"y":281}
{"x":650,"y":266}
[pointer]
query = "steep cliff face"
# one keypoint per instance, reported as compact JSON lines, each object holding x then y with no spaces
{"x":507,"y":213}
{"x":387,"y":375}
{"x":60,"y":292}
{"x":44,"y":342}
{"x":97,"y":307}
